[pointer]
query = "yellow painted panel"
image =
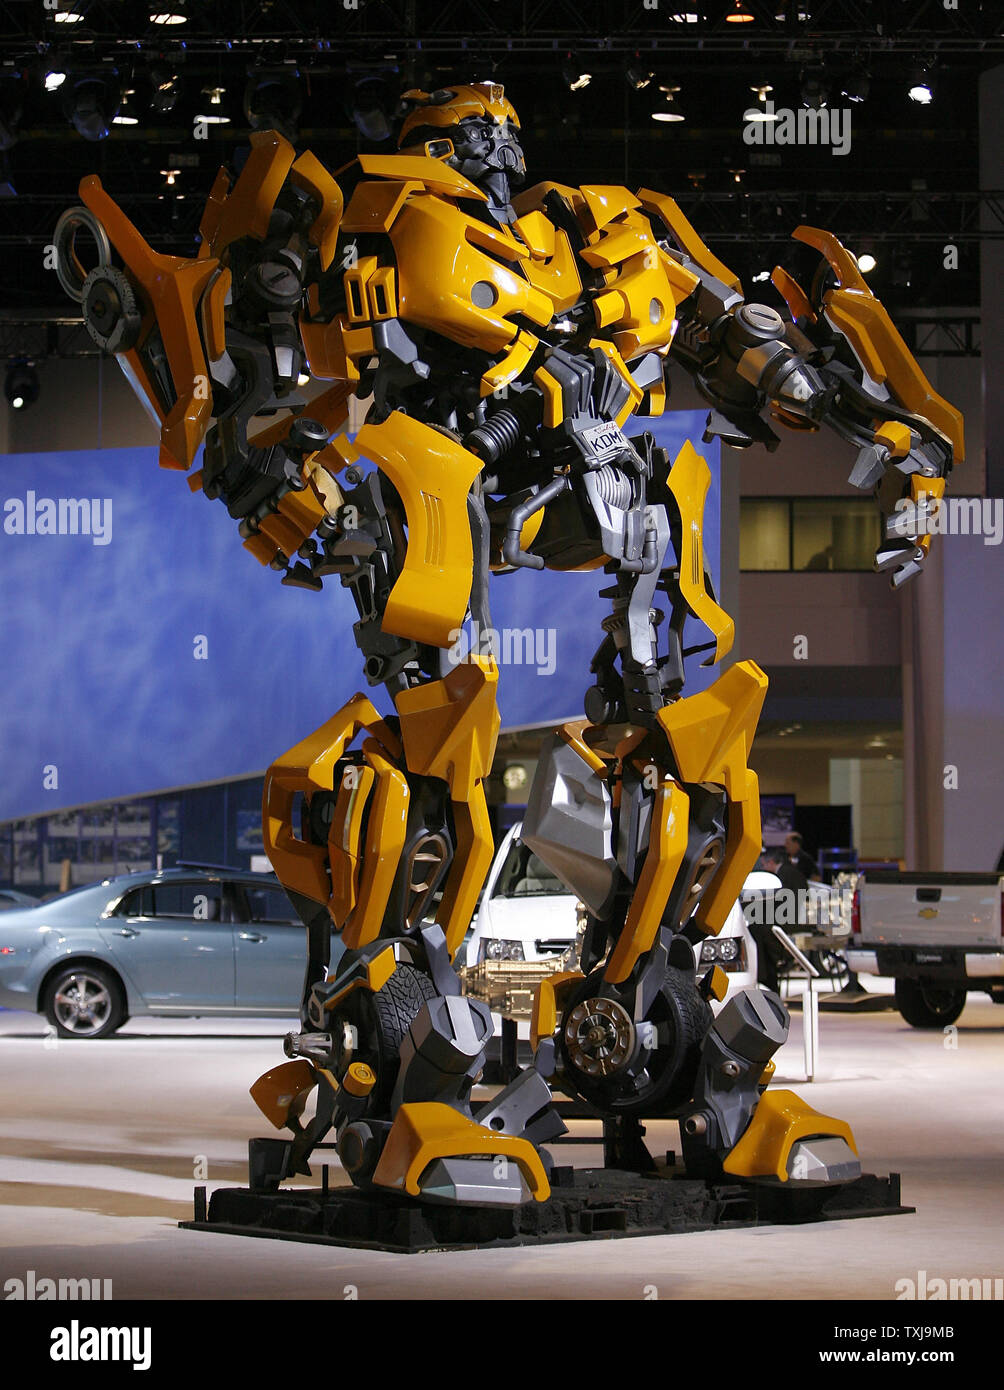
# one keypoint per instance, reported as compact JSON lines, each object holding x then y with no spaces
{"x":433,"y":475}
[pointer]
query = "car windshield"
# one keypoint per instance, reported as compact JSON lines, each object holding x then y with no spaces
{"x":523,"y":875}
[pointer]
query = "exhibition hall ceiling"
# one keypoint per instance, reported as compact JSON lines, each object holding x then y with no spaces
{"x":596,"y":85}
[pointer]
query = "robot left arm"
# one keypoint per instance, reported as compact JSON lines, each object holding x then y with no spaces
{"x":838,"y":361}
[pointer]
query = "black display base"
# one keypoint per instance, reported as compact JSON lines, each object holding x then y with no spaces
{"x":585,"y":1204}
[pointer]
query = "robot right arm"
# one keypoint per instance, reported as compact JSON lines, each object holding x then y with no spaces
{"x":212,"y":343}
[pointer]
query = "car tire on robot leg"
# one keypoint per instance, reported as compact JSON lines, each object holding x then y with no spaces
{"x":597,"y":1030}
{"x":387,"y":1016}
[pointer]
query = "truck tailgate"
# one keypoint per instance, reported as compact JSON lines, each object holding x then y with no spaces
{"x":931,"y":910}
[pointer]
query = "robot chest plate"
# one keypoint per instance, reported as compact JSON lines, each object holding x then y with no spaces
{"x":474,"y":282}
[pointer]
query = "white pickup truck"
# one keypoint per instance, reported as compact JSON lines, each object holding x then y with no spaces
{"x":938,"y":935}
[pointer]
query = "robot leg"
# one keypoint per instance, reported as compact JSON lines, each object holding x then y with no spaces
{"x":396,"y":1046}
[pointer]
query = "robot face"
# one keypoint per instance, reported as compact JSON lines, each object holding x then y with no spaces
{"x":483,"y":128}
{"x":488,"y":152}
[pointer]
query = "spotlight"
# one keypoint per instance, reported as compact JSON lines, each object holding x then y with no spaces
{"x":165,"y":89}
{"x":575,"y":75}
{"x":685,"y":17}
{"x":857,"y":86}
{"x":273,"y":100}
{"x":213,"y":113}
{"x":21,"y":385}
{"x":815,"y":88}
{"x":12,"y":90}
{"x":371,"y":102}
{"x":54,"y":79}
{"x":760,"y":113}
{"x":921,"y":88}
{"x":126,"y":114}
{"x":670,"y":111}
{"x":169,"y":18}
{"x":70,"y":11}
{"x":866,"y":262}
{"x":91,"y":102}
{"x":902,"y":268}
{"x":739,"y":14}
{"x":637,"y":78}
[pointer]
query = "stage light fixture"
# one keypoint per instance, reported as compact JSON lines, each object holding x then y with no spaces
{"x":815,"y":88}
{"x":70,"y":11}
{"x":91,"y":101}
{"x":866,"y":262}
{"x":575,"y":74}
{"x":760,"y":113}
{"x":921,"y":89}
{"x":13,"y":84}
{"x":372,"y":100}
{"x":739,"y":14}
{"x":165,"y":89}
{"x":126,"y":114}
{"x":857,"y":86}
{"x":213,"y":113}
{"x":273,"y":99}
{"x":637,"y":78}
{"x":668,"y":110}
{"x":169,"y":18}
{"x":54,"y":79}
{"x":21,"y":385}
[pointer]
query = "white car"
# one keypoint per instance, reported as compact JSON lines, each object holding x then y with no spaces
{"x":527,"y":927}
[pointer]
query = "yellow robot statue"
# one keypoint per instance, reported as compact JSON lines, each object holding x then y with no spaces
{"x":505,"y":340}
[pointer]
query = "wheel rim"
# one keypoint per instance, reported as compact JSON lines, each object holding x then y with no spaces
{"x":82,"y":1005}
{"x":939,"y":1001}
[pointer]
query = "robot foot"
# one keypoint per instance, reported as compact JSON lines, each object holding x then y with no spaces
{"x":437,"y":1153}
{"x":440,"y":1151}
{"x":739,"y":1127}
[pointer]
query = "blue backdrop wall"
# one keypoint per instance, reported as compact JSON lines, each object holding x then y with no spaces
{"x":147,"y":650}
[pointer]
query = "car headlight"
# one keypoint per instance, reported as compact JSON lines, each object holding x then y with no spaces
{"x":728,"y":952}
{"x":496,"y":948}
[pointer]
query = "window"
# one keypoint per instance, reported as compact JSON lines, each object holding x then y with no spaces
{"x":808,"y":533}
{"x":199,"y":901}
{"x":138,"y":903}
{"x":764,"y":534}
{"x":524,"y":876}
{"x":271,"y":905}
{"x":834,"y":535}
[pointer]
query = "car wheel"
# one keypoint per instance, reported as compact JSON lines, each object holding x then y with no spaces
{"x":926,"y":1006}
{"x":589,"y":1033}
{"x":832,"y":965}
{"x":85,"y":1001}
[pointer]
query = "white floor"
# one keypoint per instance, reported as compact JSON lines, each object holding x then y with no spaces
{"x":102,"y":1143}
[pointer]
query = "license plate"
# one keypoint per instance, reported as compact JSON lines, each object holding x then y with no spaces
{"x":602,"y":442}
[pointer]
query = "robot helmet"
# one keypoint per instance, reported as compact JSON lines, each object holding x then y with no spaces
{"x":475,"y":130}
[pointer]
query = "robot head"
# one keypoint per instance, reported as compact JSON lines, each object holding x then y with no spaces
{"x":483,"y":130}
